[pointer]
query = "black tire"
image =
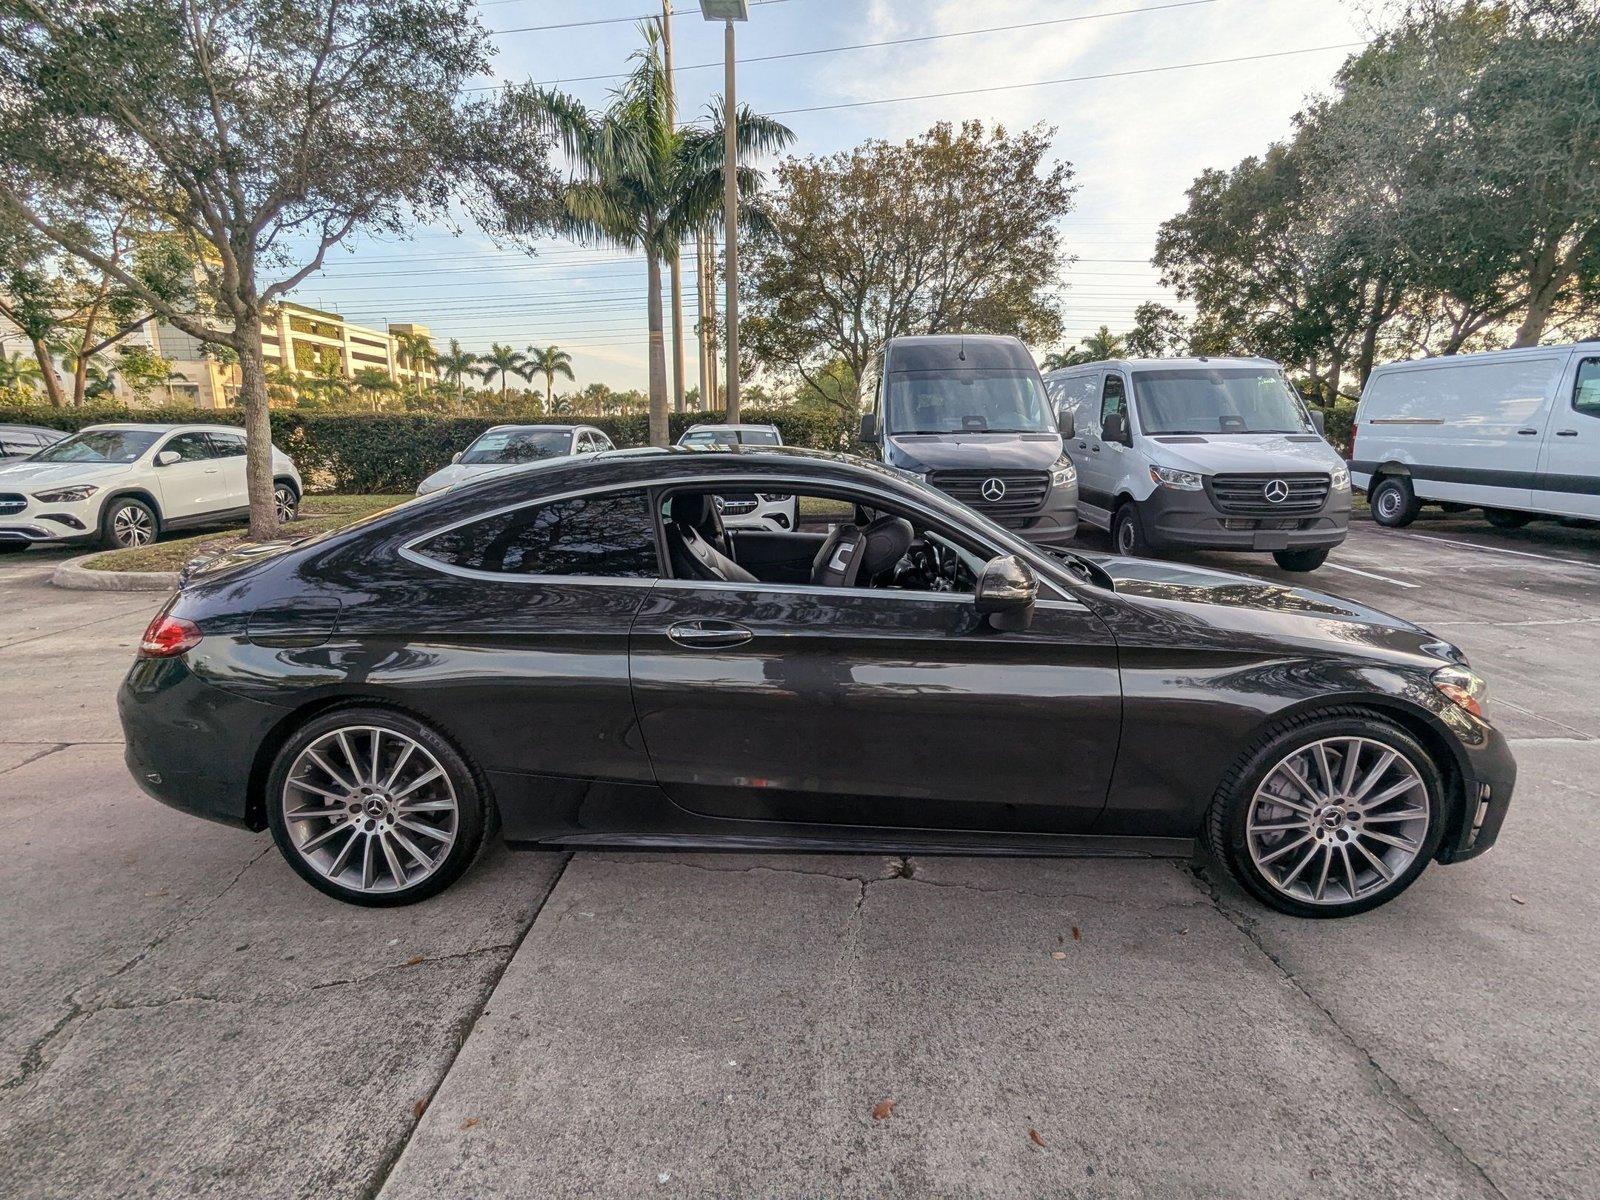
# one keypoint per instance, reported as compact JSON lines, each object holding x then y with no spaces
{"x":1127,"y":531}
{"x":1300,"y":560}
{"x":471,"y":812}
{"x":127,"y":523}
{"x":1393,"y":502}
{"x":1506,"y":518}
{"x":1226,"y":822}
{"x":13,"y":547}
{"x":285,"y":499}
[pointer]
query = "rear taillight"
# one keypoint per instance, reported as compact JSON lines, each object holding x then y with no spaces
{"x":168,"y":637}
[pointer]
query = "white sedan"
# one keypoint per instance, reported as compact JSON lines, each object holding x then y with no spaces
{"x":125,"y":485}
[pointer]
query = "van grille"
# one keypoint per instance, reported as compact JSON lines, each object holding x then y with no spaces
{"x":1024,"y":490}
{"x":11,"y":502}
{"x":1247,"y":494}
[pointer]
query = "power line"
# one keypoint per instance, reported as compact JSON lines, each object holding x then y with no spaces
{"x":649,"y":16}
{"x":1011,"y":87}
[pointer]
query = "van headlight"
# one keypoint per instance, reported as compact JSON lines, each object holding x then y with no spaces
{"x":1463,"y":688}
{"x":1183,"y":481}
{"x":1340,"y":479}
{"x":1063,"y":472}
{"x":67,"y":495}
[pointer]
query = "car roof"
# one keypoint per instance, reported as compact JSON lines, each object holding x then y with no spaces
{"x":734,"y":425}
{"x":1486,"y":356}
{"x":1165,"y":364}
{"x":32,"y":429}
{"x":186,"y":427}
{"x":554,"y":426}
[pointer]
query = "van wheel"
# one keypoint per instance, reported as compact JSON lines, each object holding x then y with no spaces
{"x":1127,"y":531}
{"x":1300,"y":560}
{"x":1393,"y":502}
{"x":1506,"y":518}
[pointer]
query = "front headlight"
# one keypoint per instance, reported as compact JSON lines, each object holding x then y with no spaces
{"x":1183,"y":481}
{"x":67,"y":495}
{"x":1340,"y":479}
{"x":1063,"y":472}
{"x":1462,"y":688}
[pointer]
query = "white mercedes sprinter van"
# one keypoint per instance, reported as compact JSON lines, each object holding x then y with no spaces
{"x":1215,"y":453}
{"x":1514,"y":432}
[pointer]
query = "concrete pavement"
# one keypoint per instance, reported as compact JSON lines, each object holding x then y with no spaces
{"x":183,"y":1016}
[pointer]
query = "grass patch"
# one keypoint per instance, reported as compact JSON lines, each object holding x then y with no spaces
{"x":318,"y":514}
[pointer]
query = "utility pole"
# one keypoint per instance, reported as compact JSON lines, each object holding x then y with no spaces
{"x":703,"y":325}
{"x":675,"y":266}
{"x":729,"y":11}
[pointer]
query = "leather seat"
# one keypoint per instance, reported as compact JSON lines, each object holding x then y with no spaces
{"x":693,"y":556}
{"x":856,"y":555}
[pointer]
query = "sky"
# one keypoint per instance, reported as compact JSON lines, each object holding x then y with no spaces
{"x":1136,"y":138}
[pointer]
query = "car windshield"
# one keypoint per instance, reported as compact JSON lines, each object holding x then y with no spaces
{"x":1220,"y":400}
{"x":518,"y":446}
{"x":993,"y":400}
{"x":730,"y":437}
{"x":100,"y":446}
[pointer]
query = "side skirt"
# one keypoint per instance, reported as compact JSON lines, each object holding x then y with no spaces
{"x":1034,"y":845}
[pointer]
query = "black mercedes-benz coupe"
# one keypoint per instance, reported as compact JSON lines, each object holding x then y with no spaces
{"x":578,"y":653}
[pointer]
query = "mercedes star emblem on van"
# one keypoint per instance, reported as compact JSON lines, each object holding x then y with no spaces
{"x":1276,"y":491}
{"x":994,"y":490}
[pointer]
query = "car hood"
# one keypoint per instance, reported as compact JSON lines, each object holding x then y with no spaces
{"x":974,"y":451}
{"x":30,"y":477}
{"x":1245,"y":453}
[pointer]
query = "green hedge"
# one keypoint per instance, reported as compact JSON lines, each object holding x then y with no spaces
{"x":393,"y":452}
{"x":1339,"y":422}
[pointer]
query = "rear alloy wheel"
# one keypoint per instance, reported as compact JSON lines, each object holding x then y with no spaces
{"x":1506,"y":518}
{"x":127,"y":525}
{"x":1331,"y":817}
{"x":286,"y":501}
{"x":1300,"y":560}
{"x":1393,"y":502}
{"x":373,"y":807}
{"x":1127,"y":532}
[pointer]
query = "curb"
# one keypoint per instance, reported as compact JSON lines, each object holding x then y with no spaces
{"x":74,"y":576}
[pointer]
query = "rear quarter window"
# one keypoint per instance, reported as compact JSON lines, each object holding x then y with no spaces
{"x":608,"y":535}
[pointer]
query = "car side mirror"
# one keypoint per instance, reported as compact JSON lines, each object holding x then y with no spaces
{"x":869,"y":427}
{"x":1114,"y":428}
{"x":167,"y":457}
{"x":1065,"y":422}
{"x":455,"y":458}
{"x":1007,"y":590}
{"x":1319,"y":422}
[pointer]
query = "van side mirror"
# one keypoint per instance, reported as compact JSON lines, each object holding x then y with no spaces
{"x":1064,"y":421}
{"x":869,"y":427}
{"x":167,"y":457}
{"x":1007,"y":590}
{"x":1115,"y":428}
{"x":1319,"y":422}
{"x":455,"y":458}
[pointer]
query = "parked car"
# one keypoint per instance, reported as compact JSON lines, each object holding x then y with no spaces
{"x":514,"y":445}
{"x":969,"y":415}
{"x":573,"y":650}
{"x":761,"y":511}
{"x":20,"y":441}
{"x":1202,"y":453}
{"x":126,"y":485}
{"x":1515,"y":433}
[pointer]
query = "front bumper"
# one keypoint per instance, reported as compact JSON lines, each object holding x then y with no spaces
{"x":47,"y":523}
{"x":1056,"y":522}
{"x":1174,"y":519}
{"x":754,"y":511}
{"x":1487,"y":782}
{"x":192,"y":745}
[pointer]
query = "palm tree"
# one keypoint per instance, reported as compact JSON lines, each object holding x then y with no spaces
{"x":1097,"y":347}
{"x":373,"y":382}
{"x":505,"y":362}
{"x":641,"y":183}
{"x":549,"y":362}
{"x":456,"y":365}
{"x":18,"y":370}
{"x":416,"y":354}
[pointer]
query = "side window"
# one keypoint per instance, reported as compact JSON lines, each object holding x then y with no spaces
{"x":1586,"y":395}
{"x":602,"y":442}
{"x":18,"y":443}
{"x":1114,"y":399}
{"x":226,"y":445}
{"x":190,"y":447}
{"x":587,"y":535}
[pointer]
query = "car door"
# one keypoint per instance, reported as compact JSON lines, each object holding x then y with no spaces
{"x":874,"y":707}
{"x":234,"y":487}
{"x":190,"y":486}
{"x":1569,"y":467}
{"x":1098,"y":461}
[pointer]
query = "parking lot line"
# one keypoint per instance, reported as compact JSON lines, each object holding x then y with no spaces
{"x":1370,"y":575}
{"x":1571,"y":562}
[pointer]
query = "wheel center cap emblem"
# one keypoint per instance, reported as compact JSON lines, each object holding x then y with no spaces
{"x":375,"y":806}
{"x":1332,"y":818}
{"x":1277,"y":491}
{"x":993,"y":490}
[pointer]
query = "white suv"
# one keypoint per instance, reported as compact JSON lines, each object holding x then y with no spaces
{"x":123,"y":485}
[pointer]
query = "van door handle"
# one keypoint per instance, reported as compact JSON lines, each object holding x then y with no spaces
{"x":709,"y":635}
{"x":1566,"y":433}
{"x":1083,"y":445}
{"x":1528,"y":432}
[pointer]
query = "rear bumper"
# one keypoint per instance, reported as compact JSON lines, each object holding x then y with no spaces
{"x":189,"y":744}
{"x":1487,"y":784}
{"x":1175,"y":519}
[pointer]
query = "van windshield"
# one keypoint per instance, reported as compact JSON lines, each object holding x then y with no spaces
{"x":1219,"y":400}
{"x":992,"y":400}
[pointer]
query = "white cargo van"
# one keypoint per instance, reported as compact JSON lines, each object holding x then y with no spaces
{"x":1215,"y":453}
{"x":1514,"y":432}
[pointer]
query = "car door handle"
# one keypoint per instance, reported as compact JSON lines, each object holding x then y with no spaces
{"x":1528,"y":432}
{"x":1566,"y":433}
{"x":213,"y":470}
{"x":1083,"y":445}
{"x":709,"y":635}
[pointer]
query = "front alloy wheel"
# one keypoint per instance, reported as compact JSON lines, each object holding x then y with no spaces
{"x":373,"y":807}
{"x":129,"y":525}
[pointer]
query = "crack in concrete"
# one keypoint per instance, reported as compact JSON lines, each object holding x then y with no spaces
{"x":54,"y":748}
{"x":411,"y":965}
{"x":1408,"y":1105}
